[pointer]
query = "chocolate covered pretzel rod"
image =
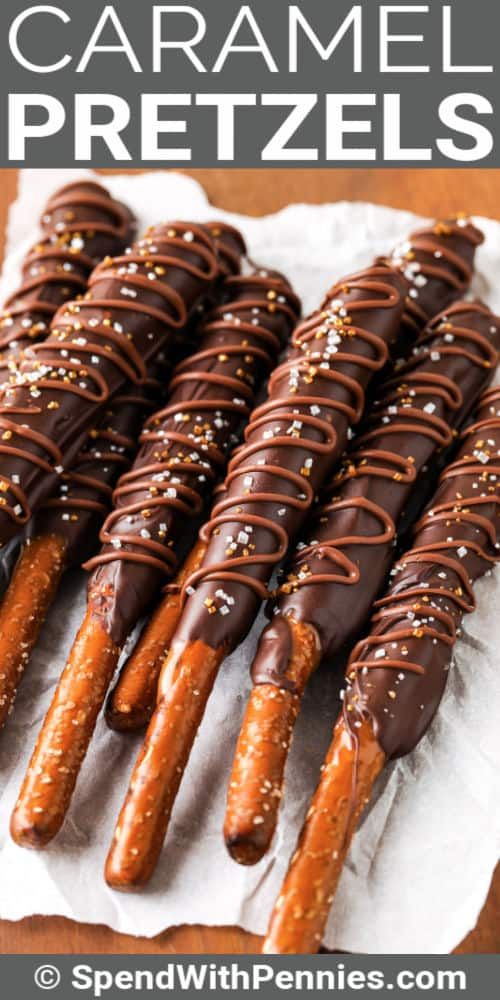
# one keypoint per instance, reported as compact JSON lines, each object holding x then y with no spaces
{"x":64,"y":530}
{"x":341,"y":563}
{"x":397,"y":675}
{"x":81,"y":225}
{"x":183,"y":449}
{"x":264,"y":310}
{"x":292,"y":442}
{"x":136,"y":306}
{"x":437,"y":262}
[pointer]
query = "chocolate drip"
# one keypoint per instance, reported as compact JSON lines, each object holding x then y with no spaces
{"x":291,"y":445}
{"x":81,"y":225}
{"x":397,"y":674}
{"x":185,"y":446}
{"x":84,"y":495}
{"x":136,"y":305}
{"x":340,"y":566}
{"x":438,"y":263}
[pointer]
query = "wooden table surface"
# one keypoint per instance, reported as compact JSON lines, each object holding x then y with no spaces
{"x":256,"y":192}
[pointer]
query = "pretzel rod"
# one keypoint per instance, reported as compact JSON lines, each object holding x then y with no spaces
{"x":239,"y":343}
{"x":68,"y":727}
{"x":349,"y":773}
{"x":148,"y":523}
{"x":24,"y":608}
{"x":64,"y":530}
{"x":81,"y":224}
{"x":254,"y":790}
{"x":342,"y":561}
{"x":131,"y":703}
{"x":433,"y":286}
{"x":396,"y":675}
{"x":137,"y":305}
{"x":145,"y":814}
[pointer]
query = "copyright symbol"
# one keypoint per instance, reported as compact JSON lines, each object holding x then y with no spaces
{"x":47,"y":977}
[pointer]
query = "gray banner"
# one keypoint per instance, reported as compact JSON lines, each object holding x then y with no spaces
{"x":263,"y":84}
{"x":30,"y":976}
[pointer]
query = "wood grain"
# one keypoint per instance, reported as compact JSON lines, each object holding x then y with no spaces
{"x":429,"y":192}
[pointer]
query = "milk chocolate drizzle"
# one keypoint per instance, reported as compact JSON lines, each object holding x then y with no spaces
{"x":137,"y":304}
{"x":291,"y":444}
{"x":185,"y":445}
{"x":437,"y":262}
{"x":81,"y":224}
{"x":396,"y":676}
{"x":84,"y":495}
{"x":342,"y":562}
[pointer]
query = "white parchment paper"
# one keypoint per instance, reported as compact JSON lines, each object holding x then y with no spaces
{"x":420,"y":867}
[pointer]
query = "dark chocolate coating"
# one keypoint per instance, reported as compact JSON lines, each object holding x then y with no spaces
{"x":137,"y":305}
{"x":84,"y":495}
{"x":343,"y":560}
{"x":81,"y":225}
{"x":291,"y":445}
{"x":397,"y":674}
{"x":158,"y":505}
{"x":436,"y":263}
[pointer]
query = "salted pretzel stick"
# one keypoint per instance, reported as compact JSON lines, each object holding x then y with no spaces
{"x":433,"y":287}
{"x":132,"y":701}
{"x":24,"y":607}
{"x":68,"y":726}
{"x":81,"y":224}
{"x":256,"y":781}
{"x":349,"y":773}
{"x":136,"y":306}
{"x":342,"y":561}
{"x":397,"y":674}
{"x":183,"y":447}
